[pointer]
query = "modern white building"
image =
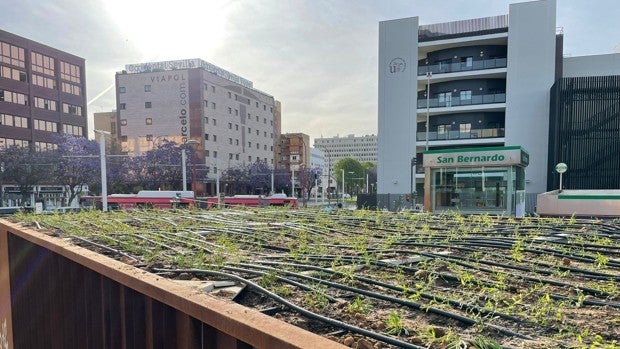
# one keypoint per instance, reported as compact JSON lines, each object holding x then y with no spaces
{"x":229,"y":121}
{"x":360,"y":148}
{"x":468,"y":84}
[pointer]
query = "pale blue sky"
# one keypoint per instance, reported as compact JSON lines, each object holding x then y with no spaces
{"x":318,"y":57}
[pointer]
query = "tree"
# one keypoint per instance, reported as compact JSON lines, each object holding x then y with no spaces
{"x":77,"y":164}
{"x":354,"y":173}
{"x":25,"y":167}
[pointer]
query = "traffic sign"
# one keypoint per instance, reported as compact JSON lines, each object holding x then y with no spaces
{"x":561,"y":167}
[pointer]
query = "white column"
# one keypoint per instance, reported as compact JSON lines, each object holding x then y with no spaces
{"x":184,"y":166}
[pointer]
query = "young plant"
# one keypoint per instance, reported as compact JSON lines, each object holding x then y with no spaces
{"x":394,"y":324}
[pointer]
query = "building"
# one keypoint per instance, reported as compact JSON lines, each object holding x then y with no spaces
{"x":476,"y":83}
{"x":227,"y":120}
{"x":42,"y":93}
{"x":317,"y":160}
{"x":107,"y":121}
{"x":360,"y":148}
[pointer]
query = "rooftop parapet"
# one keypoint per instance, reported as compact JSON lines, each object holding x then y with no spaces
{"x":468,"y":27}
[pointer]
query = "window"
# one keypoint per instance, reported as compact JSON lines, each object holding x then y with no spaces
{"x":13,"y":74}
{"x":230,"y":156}
{"x":236,"y":112}
{"x":465,"y":128}
{"x":11,"y":54}
{"x":229,"y":110}
{"x":467,"y":62}
{"x":123,"y":138}
{"x":250,"y":158}
{"x":257,"y":132}
{"x":230,"y":125}
{"x":212,"y":88}
{"x":249,"y":130}
{"x":229,"y":95}
{"x":236,"y":142}
{"x":265,"y":121}
{"x":215,"y":138}
{"x":445,"y":97}
{"x":71,"y":109}
{"x":122,"y":106}
{"x":256,"y":104}
{"x":149,"y":138}
{"x":47,"y":104}
{"x":465,"y":95}
{"x":214,"y":122}
{"x":236,"y":127}
{"x":147,"y":105}
{"x":206,"y":120}
{"x":206,"y":103}
{"x":206,"y":136}
{"x":257,"y":146}
{"x":230,"y":141}
{"x":15,"y":121}
{"x":43,"y":64}
{"x":207,"y":153}
{"x":122,"y":89}
{"x":256,"y":118}
{"x":265,"y":147}
{"x":213,"y":105}
{"x":70,"y":72}
{"x":237,"y":156}
{"x":265,"y":134}
{"x":206,"y":87}
{"x":13,"y":97}
{"x":43,"y":81}
{"x":215,"y":156}
{"x":249,"y":144}
{"x":443,"y":129}
{"x":147,"y":88}
{"x":123,"y":122}
{"x":149,"y":121}
{"x":72,"y":89}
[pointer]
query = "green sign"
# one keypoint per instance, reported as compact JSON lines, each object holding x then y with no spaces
{"x":470,"y":157}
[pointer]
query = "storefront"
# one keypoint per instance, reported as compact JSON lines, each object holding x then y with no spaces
{"x":476,"y":180}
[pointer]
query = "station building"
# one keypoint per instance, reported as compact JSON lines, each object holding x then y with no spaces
{"x":476,"y":83}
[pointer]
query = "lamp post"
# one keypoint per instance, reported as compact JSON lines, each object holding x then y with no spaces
{"x":191,"y":143}
{"x":428,"y":100}
{"x":104,"y":170}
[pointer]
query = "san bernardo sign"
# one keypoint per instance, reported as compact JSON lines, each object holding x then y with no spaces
{"x":491,"y":156}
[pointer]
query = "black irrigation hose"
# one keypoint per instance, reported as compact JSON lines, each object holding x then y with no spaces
{"x":415,"y":305}
{"x":453,"y":303}
{"x":298,"y":309}
{"x":458,"y":260}
{"x":586,"y":273}
{"x":104,"y":247}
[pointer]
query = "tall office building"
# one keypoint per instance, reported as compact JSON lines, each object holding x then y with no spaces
{"x":192,"y":101}
{"x":469,"y":84}
{"x":42,"y":93}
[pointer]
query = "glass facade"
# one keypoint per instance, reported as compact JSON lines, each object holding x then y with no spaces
{"x":476,"y":189}
{"x":476,"y":180}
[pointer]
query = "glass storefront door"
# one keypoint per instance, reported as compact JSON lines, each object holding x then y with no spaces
{"x":473,"y":190}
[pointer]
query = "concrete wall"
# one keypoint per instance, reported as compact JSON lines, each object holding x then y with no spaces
{"x":596,"y":65}
{"x":398,"y":55}
{"x":531,"y":73}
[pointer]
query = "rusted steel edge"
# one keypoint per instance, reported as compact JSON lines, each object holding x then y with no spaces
{"x":245,"y":324}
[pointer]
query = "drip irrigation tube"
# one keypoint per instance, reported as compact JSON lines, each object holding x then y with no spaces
{"x":303,"y":311}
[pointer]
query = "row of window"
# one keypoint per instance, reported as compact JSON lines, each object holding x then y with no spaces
{"x":123,"y":89}
{"x":15,"y":74}
{"x":12,"y":54}
{"x":13,"y":120}
{"x":44,"y":125}
{"x":43,"y":146}
{"x":9,"y":142}
{"x":40,"y":63}
{"x":123,"y":106}
{"x":237,"y":98}
{"x":39,"y":80}
{"x":213,"y":154}
{"x":13,"y":97}
{"x":72,"y":129}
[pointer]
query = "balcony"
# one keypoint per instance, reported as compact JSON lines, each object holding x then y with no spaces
{"x":461,"y":66}
{"x":456,"y":135}
{"x":457,"y":101}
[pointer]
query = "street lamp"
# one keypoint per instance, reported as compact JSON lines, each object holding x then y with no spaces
{"x":104,"y":170}
{"x":428,"y":104}
{"x":191,"y":143}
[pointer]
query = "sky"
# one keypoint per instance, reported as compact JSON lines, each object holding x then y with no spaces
{"x":318,"y":57}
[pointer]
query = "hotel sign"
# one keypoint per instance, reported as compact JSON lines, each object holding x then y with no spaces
{"x":187,"y":64}
{"x":492,"y":156}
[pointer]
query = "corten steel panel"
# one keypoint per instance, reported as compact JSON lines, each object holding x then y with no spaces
{"x":71,"y":297}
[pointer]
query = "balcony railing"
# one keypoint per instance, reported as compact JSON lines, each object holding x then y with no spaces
{"x":456,"y":135}
{"x":457,"y":101}
{"x":462,"y":66}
